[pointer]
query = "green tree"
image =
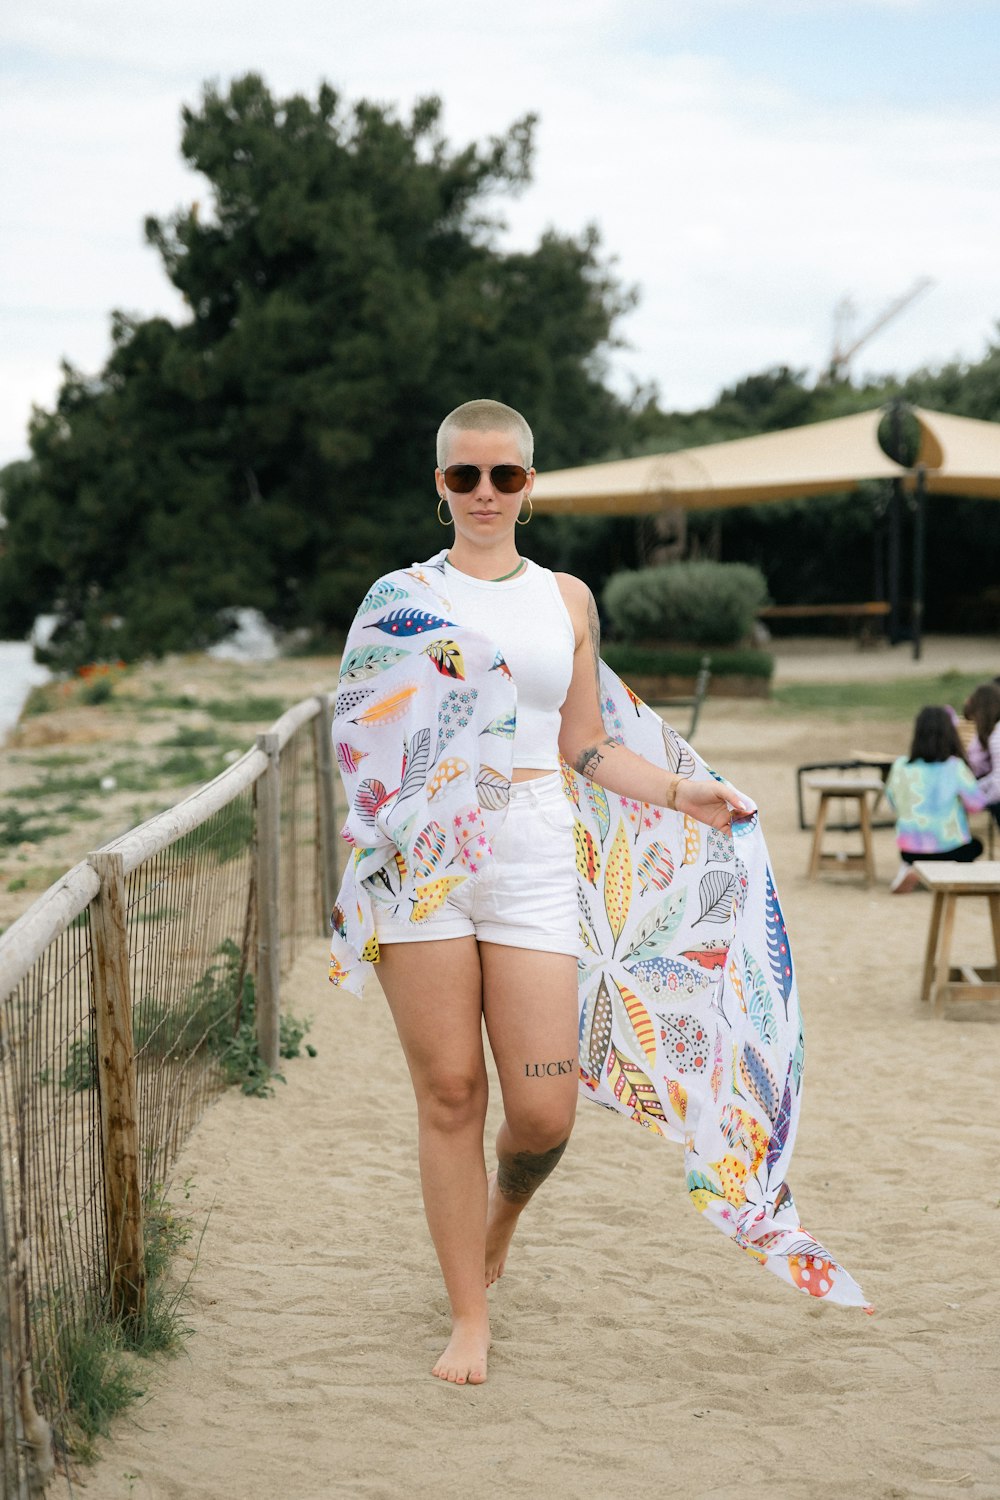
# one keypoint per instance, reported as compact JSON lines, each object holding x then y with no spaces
{"x":346,"y":289}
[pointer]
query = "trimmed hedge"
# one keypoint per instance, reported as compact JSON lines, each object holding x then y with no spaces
{"x":705,"y":603}
{"x":636,"y":661}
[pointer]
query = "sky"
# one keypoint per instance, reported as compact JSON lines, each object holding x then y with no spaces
{"x":750,"y":164}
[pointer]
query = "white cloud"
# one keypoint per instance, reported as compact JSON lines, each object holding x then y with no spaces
{"x":743,"y":207}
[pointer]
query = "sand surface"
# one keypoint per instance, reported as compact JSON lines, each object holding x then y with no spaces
{"x":636,"y":1352}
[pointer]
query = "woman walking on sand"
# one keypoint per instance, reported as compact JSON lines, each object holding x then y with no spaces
{"x":470,"y":685}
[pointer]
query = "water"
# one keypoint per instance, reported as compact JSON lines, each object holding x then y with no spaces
{"x":19,"y":673}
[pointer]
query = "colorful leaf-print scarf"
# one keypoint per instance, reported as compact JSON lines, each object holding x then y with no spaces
{"x":689,"y":1014}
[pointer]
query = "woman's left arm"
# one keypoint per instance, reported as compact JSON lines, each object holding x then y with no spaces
{"x":585,"y":743}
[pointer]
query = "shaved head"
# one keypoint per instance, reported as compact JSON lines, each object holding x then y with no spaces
{"x":485,"y":416}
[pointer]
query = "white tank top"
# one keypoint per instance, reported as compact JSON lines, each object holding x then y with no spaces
{"x":530,"y":624}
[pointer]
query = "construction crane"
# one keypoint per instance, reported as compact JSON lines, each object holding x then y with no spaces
{"x":844,"y":315}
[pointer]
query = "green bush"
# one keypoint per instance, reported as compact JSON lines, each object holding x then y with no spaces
{"x":647,"y":661}
{"x":706,"y":603}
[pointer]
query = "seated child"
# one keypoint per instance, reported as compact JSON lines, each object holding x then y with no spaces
{"x":931,"y":792}
{"x":983,"y":749}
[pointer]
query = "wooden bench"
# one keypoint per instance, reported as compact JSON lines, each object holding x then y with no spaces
{"x":832,"y":788}
{"x":866,"y":617}
{"x":950,"y":881}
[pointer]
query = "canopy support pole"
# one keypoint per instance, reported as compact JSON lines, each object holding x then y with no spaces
{"x":919,"y":550}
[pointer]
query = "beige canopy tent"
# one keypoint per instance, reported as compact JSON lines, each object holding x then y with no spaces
{"x":957,"y":456}
{"x":819,"y":459}
{"x":961,"y":456}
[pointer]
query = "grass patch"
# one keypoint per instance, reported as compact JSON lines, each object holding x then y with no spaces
{"x":684,"y":661}
{"x":56,"y":785}
{"x":193,"y":739}
{"x":93,"y":1379}
{"x":18,"y":827}
{"x":249,"y":710}
{"x":246,"y":710}
{"x":187,"y":765}
{"x":901,"y":698}
{"x":62,"y":759}
{"x":216,"y":1017}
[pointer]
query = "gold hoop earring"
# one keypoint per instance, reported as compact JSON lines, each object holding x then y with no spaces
{"x":531,"y":512}
{"x":450,"y":519}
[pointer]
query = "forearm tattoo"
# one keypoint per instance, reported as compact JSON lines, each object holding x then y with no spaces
{"x":518,"y":1176}
{"x":588,"y":760}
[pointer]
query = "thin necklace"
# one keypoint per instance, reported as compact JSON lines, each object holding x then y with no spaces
{"x":503,"y":576}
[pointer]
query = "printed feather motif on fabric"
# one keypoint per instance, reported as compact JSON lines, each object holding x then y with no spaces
{"x":679,"y":758}
{"x":715,"y":892}
{"x":570,"y":783}
{"x":665,"y":979}
{"x":781,"y":1125}
{"x":492,"y":789}
{"x":655,"y":868}
{"x":778,"y":950}
{"x":685,"y":1041}
{"x":348,"y":698}
{"x":382,"y":594}
{"x":349,"y":758}
{"x":760,"y":1006}
{"x":588,"y":860}
{"x":759,"y":1080}
{"x":428,"y":849}
{"x":503,"y":728}
{"x":597,"y":799}
{"x":636,"y":1024}
{"x":634,"y":1091}
{"x":719,"y":845}
{"x":618,"y":882}
{"x":447,"y":773}
{"x":415,"y":763}
{"x":370,"y":797}
{"x":655,"y":932}
{"x":368,"y":661}
{"x":692,"y":840}
{"x":595,"y":1030}
{"x":429,"y":897}
{"x":387,"y":710}
{"x":408,"y":622}
{"x":447,"y":657}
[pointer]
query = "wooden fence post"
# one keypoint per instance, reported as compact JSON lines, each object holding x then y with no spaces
{"x":14,"y":1480}
{"x":112,"y":994}
{"x":322,"y":729}
{"x":268,"y":846}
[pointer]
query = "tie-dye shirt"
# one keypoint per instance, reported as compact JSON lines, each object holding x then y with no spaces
{"x":930,"y":799}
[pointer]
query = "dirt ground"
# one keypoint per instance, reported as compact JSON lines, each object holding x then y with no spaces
{"x":634,"y":1349}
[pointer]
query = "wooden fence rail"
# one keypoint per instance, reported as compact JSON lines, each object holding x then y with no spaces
{"x":99,"y":1051}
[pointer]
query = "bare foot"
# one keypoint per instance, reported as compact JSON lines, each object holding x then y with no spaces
{"x":464,"y":1359}
{"x":501,"y":1221}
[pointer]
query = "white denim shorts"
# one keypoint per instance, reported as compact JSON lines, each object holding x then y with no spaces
{"x":527,"y":896}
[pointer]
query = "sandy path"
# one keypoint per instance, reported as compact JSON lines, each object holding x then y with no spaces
{"x":635,"y":1351}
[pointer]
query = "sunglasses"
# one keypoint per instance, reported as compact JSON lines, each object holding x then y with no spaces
{"x":462,"y":479}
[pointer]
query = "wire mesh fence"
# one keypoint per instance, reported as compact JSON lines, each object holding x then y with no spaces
{"x":106,"y":1066}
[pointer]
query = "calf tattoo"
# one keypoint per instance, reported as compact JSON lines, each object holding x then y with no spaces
{"x":518,"y":1176}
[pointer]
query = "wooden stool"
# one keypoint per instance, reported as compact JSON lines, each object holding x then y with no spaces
{"x":949,"y":880}
{"x":831,"y":788}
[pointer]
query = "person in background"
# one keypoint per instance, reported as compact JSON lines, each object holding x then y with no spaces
{"x":983,"y":750}
{"x":931,"y":792}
